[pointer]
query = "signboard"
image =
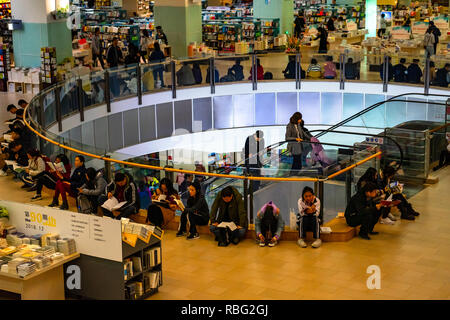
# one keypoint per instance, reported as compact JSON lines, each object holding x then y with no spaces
{"x":401,"y":32}
{"x":375,"y":140}
{"x":441,"y":22}
{"x":419,"y":27}
{"x":352,"y":25}
{"x":94,"y":236}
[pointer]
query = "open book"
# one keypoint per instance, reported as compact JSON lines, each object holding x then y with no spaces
{"x":230,"y":225}
{"x":390,"y":202}
{"x":57,"y":167}
{"x":180,"y":204}
{"x":15,"y":166}
{"x":113,"y":204}
{"x":8,"y":137}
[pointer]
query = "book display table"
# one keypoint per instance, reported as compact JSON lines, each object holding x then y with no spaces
{"x":47,"y":283}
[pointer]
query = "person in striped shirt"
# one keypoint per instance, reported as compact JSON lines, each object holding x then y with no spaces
{"x":314,"y":70}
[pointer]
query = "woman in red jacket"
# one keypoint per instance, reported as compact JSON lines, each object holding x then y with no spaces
{"x":259,"y":71}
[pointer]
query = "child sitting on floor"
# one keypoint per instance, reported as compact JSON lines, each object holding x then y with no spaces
{"x":308,"y":217}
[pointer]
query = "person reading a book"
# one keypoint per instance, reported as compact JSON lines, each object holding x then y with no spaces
{"x":59,"y":170}
{"x":196,"y":212}
{"x":11,"y":109}
{"x":363,"y":211}
{"x":394,"y":190}
{"x":36,"y":165}
{"x":228,"y":217}
{"x":371,"y":175}
{"x":308,"y":218}
{"x":164,"y":204}
{"x":268,"y":225}
{"x":93,"y":188}
{"x":122,"y":197}
{"x":16,"y":153}
{"x":70,"y":186}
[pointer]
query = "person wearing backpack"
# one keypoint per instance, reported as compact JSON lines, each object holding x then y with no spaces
{"x":90,"y":192}
{"x":437,"y":33}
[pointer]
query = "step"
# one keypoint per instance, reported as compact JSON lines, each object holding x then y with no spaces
{"x":341,"y":232}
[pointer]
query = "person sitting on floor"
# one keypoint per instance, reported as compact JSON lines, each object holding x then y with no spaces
{"x":289,"y":72}
{"x":393,"y":188}
{"x":64,"y":187}
{"x":93,"y":188}
{"x":196,"y":212}
{"x":267,"y":220}
{"x":22,"y":103}
{"x":259,"y":71}
{"x":351,"y":70}
{"x":14,"y":152}
{"x":314,"y":70}
{"x":308,"y":218}
{"x":414,"y":72}
{"x":400,"y":71}
{"x":329,"y":69}
{"x":228,"y":207}
{"x":123,"y":189}
{"x":50,"y":177}
{"x":390,"y":70}
{"x":36,"y":165}
{"x":443,"y":76}
{"x":164,"y":204}
{"x":185,"y":76}
{"x":363,"y":211}
{"x":238,"y":70}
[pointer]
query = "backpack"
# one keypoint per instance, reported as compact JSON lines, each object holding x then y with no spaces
{"x":84,"y":205}
{"x":268,"y":76}
{"x":155,"y":215}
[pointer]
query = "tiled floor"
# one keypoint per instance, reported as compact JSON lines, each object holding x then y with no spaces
{"x":413,"y":258}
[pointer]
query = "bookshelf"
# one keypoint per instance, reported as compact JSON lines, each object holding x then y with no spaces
{"x":5,"y":9}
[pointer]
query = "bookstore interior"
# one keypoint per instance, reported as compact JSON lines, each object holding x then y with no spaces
{"x":40,"y":246}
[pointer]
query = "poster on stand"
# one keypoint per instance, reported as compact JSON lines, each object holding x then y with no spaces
{"x":401,"y":33}
{"x":94,"y":236}
{"x":419,"y":27}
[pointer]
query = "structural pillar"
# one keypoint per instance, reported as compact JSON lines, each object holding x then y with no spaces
{"x":39,"y":30}
{"x":276,"y":9}
{"x":371,"y":18}
{"x":181,"y":21}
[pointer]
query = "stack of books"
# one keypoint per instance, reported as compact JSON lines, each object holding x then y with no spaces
{"x":7,"y":251}
{"x":130,"y":291}
{"x":13,"y":240}
{"x":42,"y":262}
{"x":127,"y":269}
{"x":14,"y":263}
{"x":56,"y":256}
{"x":152,"y":257}
{"x":25,"y":269}
{"x":67,"y":246}
{"x":152,"y":280}
{"x":47,"y":251}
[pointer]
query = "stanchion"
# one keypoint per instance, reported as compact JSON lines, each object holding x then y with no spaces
{"x":298,"y":71}
{"x":174,"y":80}
{"x":107,"y":92}
{"x":254,"y":73}
{"x":342,"y":74}
{"x":58,"y":107}
{"x":385,"y":73}
{"x":80,"y":99}
{"x":139,"y":83}
{"x":426,"y":76}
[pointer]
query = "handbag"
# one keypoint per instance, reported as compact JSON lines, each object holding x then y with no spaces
{"x":84,"y":205}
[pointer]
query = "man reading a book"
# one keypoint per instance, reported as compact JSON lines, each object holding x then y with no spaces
{"x":228,"y":217}
{"x":123,"y":189}
{"x":363,"y":211}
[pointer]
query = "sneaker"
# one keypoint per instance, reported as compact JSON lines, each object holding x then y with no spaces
{"x":25,"y":186}
{"x":3,"y":173}
{"x":193,"y":236}
{"x":317,"y":243}
{"x":302,"y":243}
{"x":408,"y":217}
{"x":54,"y":204}
{"x":36,"y":197}
{"x":392,"y":217}
{"x":64,"y":206}
{"x":273,"y":243}
{"x":33,"y":188}
{"x":415,"y":213}
{"x":262,"y":243}
{"x":387,"y":220}
{"x":373,"y":233}
{"x":181,"y":233}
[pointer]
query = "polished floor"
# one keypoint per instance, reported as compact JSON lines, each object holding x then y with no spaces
{"x":413,"y":258}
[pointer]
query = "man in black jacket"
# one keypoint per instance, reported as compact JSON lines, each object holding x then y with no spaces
{"x":400,"y":71}
{"x":114,"y":55}
{"x":14,"y":152}
{"x":254,"y":145}
{"x":228,"y":207}
{"x":442,"y":78}
{"x":437,"y":33}
{"x":362,"y":210}
{"x":414,"y":72}
{"x":124,"y":190}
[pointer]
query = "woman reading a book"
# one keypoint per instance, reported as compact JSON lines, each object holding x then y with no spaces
{"x":164,"y":202}
{"x":59,"y":170}
{"x":70,"y":186}
{"x":308,"y":218}
{"x":196,"y":212}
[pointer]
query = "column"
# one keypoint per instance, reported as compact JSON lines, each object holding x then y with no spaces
{"x":181,"y":21}
{"x":39,"y":30}
{"x":371,"y":18}
{"x":273,"y":9}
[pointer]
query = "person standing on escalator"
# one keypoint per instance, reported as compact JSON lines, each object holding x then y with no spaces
{"x":254,"y":145}
{"x":295,"y":136}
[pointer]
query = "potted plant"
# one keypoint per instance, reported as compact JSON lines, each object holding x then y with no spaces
{"x":293,"y":45}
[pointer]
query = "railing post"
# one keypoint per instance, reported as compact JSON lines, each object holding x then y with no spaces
{"x":254,"y":73}
{"x":80,"y":98}
{"x":174,"y":79}
{"x":298,"y":71}
{"x":426,"y":77}
{"x":251,"y":200}
{"x":108,"y":171}
{"x":139,"y":83}
{"x":385,"y":67}
{"x":212,"y":75}
{"x":342,"y":74}
{"x":246,"y":191}
{"x":348,"y":187}
{"x":427,"y":154}
{"x":321,"y":201}
{"x":41,"y":119}
{"x":58,"y":107}
{"x":107,"y":91}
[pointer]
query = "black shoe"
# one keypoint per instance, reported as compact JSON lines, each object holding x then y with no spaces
{"x":364,"y":236}
{"x":54,"y":203}
{"x":408,"y":217}
{"x":193,"y":236}
{"x":36,"y":197}
{"x":181,"y":233}
{"x":33,"y":188}
{"x":223,"y":244}
{"x":415,"y":213}
{"x":373,"y":232}
{"x":235,"y":240}
{"x":25,"y":186}
{"x":64,"y":206}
